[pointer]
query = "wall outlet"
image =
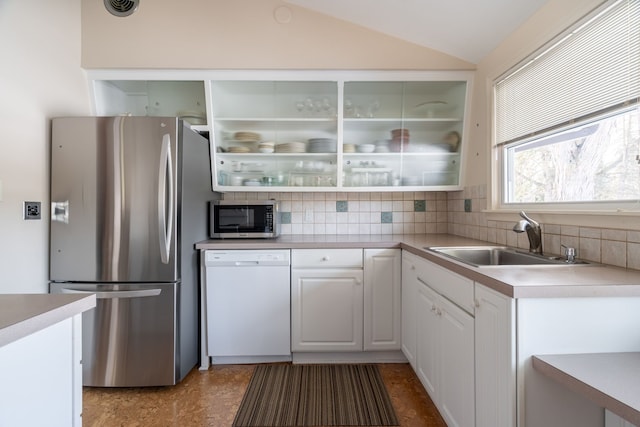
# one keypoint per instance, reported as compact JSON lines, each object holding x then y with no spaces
{"x":467,"y":205}
{"x":32,"y":210}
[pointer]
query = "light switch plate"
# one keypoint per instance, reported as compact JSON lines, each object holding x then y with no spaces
{"x":32,"y":210}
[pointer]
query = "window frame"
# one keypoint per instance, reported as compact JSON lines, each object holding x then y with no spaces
{"x":500,"y":165}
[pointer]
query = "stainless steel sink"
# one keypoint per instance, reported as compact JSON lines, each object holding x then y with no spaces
{"x":481,"y":256}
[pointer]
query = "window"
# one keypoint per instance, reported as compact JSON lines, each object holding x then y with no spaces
{"x":567,"y":120}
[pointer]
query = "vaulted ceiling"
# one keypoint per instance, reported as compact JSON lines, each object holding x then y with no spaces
{"x":466,"y":29}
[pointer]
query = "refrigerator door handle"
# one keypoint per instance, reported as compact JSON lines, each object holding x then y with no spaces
{"x":165,"y":199}
{"x":115,"y":294}
{"x":60,"y":211}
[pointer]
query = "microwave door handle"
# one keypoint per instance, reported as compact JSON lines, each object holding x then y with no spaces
{"x":165,"y":199}
{"x":115,"y":294}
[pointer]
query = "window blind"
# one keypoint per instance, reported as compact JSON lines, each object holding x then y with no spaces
{"x":592,"y":69}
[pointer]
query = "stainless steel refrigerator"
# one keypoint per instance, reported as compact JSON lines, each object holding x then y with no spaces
{"x":128,"y":202}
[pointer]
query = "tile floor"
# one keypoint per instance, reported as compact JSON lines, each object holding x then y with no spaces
{"x":211,"y":399}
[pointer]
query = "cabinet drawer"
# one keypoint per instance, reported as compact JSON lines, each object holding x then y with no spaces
{"x":456,"y":288}
{"x":326,"y":258}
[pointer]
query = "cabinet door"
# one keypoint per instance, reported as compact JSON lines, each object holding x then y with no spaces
{"x":456,"y":386}
{"x":326,"y":310}
{"x":409,"y":303}
{"x":495,"y":359}
{"x":274,"y":133}
{"x":399,"y":133}
{"x":382,"y":305}
{"x":427,"y":347}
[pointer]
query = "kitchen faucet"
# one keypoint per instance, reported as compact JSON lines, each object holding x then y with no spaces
{"x":534,"y":233}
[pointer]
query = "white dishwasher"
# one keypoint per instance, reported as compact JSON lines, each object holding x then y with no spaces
{"x":248,"y":299}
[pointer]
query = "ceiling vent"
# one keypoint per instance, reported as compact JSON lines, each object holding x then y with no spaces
{"x":121,"y":7}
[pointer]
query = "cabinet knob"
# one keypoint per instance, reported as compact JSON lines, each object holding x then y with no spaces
{"x":325,"y":258}
{"x":476,"y":303}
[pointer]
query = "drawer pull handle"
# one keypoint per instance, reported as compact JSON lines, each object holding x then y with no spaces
{"x":325,"y":258}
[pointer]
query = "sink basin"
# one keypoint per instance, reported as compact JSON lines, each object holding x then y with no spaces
{"x":481,"y":256}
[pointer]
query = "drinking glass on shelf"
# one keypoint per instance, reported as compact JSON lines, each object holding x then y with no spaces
{"x":373,"y":108}
{"x":348,"y":108}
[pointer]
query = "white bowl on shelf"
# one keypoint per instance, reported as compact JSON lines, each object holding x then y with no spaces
{"x":365,"y":148}
{"x":266,"y":150}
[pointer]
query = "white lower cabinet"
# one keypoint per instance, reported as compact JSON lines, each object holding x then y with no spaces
{"x":49,"y":394}
{"x":495,"y":388}
{"x":409,"y":307}
{"x":444,"y":331}
{"x":471,"y":348}
{"x":382,"y":299}
{"x":345,"y":300}
{"x":326,"y":310}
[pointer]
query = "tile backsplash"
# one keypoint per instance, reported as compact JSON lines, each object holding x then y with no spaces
{"x":456,"y":212}
{"x":358,"y":213}
{"x":615,"y":247}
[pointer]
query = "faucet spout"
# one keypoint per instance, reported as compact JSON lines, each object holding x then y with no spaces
{"x":533,"y":230}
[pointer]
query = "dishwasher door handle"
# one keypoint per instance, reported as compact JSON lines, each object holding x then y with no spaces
{"x":115,"y":294}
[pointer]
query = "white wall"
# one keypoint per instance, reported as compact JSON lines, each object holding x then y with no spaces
{"x":40,"y":78}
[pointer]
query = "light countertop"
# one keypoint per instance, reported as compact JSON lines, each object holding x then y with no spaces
{"x":24,"y":314}
{"x":536,"y":281}
{"x":611,"y":380}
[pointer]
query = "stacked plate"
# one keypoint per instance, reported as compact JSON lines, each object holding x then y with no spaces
{"x":266,"y":147}
{"x":246,"y":136}
{"x":291,"y":147}
{"x":348,"y":148}
{"x":239,"y":150}
{"x":382,"y":146}
{"x":322,"y":145}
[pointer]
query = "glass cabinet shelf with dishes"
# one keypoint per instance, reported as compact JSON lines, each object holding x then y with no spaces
{"x":342,"y":134}
{"x":275,"y":133}
{"x":321,"y":130}
{"x":411,"y":129}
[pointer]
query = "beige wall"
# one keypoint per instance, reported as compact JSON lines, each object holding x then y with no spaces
{"x":40,"y":78}
{"x":553,"y":18}
{"x":242,"y":34}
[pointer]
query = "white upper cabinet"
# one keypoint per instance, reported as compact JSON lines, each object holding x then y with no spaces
{"x":304,"y":130}
{"x":275,"y":133}
{"x":185,"y":99}
{"x":403,"y":133}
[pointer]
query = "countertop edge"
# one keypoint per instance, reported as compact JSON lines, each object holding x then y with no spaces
{"x":601,"y":393}
{"x":55,"y":308}
{"x":530,"y":282}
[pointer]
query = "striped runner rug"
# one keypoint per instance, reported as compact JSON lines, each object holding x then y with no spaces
{"x":285,"y":395}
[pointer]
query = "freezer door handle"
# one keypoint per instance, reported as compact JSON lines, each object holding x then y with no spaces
{"x":60,"y":211}
{"x":115,"y":294}
{"x":165,"y":199}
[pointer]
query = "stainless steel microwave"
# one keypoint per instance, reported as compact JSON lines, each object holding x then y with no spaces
{"x":238,"y":219}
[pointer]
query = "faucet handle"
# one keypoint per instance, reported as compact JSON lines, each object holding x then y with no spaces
{"x":569,"y":253}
